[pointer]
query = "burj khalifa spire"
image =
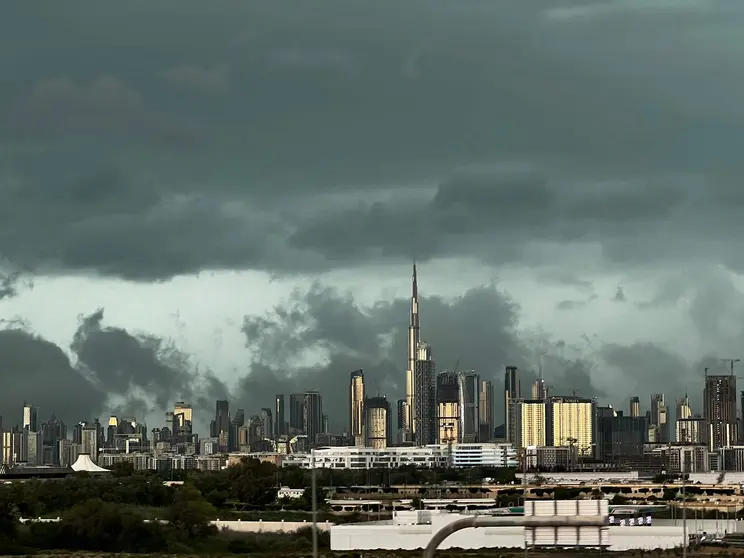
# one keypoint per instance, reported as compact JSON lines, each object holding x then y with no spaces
{"x":413,"y":341}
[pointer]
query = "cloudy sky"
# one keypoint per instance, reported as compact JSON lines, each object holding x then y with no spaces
{"x":223,"y":199}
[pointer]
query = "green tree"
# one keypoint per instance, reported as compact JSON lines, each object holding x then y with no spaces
{"x":190,"y":514}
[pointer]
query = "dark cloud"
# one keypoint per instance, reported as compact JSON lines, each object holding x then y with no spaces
{"x":478,"y":331}
{"x":210,"y":81}
{"x":123,"y":363}
{"x":620,"y":295}
{"x":112,"y":371}
{"x":320,"y":102}
{"x":38,"y":371}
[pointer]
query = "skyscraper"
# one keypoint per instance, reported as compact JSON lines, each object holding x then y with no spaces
{"x":635,"y":407}
{"x":313,"y":415}
{"x":222,"y":424}
{"x":356,"y":407}
{"x":377,"y":422}
{"x":267,"y":423}
{"x":425,"y":399}
{"x":469,"y":398}
{"x":296,"y":413}
{"x":571,"y":422}
{"x":29,"y":418}
{"x":413,"y":344}
{"x":719,"y":403}
{"x":512,"y":393}
{"x":660,"y":417}
{"x":279,"y":418}
{"x":485,"y":410}
{"x":448,"y":408}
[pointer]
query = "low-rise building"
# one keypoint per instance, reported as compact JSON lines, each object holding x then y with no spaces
{"x":437,"y":455}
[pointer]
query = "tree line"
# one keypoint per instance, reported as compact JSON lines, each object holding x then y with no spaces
{"x":250,"y":485}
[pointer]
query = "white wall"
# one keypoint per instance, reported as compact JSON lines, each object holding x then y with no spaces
{"x":268,"y":526}
{"x":414,"y":537}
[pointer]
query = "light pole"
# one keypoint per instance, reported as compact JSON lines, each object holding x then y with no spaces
{"x":315,"y":503}
{"x":685,"y":539}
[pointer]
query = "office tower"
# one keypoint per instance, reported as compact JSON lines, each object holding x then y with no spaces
{"x":635,"y":406}
{"x":255,"y":433}
{"x":660,"y":418}
{"x":52,"y":432}
{"x":279,"y":416}
{"x":183,"y":420}
{"x":356,"y":407}
{"x":413,"y":348}
{"x":512,"y":393}
{"x":34,"y":448}
{"x":89,"y":441}
{"x":29,"y":417}
{"x":571,"y":422}
{"x":237,"y":422}
{"x":313,"y":415}
{"x":267,"y":423}
{"x":690,"y":430}
{"x":448,"y":408}
{"x":222,"y":425}
{"x":377,"y":422}
{"x":11,"y":446}
{"x":425,"y":400}
{"x":683,"y":408}
{"x":719,"y":402}
{"x":296,"y":413}
{"x":531,"y":423}
{"x":401,"y":414}
{"x":469,"y":398}
{"x":485,"y":411}
{"x":620,"y":438}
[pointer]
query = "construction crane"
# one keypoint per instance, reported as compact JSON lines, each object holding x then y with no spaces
{"x":731,"y":362}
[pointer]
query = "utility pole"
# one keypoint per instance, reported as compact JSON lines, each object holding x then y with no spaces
{"x":315,"y":503}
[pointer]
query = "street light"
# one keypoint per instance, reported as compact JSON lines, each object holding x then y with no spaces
{"x":315,"y":504}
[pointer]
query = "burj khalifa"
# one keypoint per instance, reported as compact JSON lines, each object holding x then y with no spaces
{"x":413,"y":343}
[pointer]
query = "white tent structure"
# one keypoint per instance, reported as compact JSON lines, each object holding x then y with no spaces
{"x":84,"y":463}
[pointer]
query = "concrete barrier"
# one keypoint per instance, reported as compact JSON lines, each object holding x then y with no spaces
{"x":236,"y":526}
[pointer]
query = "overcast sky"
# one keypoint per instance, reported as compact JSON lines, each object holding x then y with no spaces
{"x":215,"y":199}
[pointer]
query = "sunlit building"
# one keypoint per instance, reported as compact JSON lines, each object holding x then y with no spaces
{"x":571,"y":422}
{"x":531,"y":423}
{"x":356,"y":407}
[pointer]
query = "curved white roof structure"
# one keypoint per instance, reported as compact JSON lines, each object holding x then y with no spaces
{"x":84,"y":463}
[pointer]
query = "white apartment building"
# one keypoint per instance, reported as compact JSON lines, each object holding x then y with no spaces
{"x":146,"y":461}
{"x":437,"y":455}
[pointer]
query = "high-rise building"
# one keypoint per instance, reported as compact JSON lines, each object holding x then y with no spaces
{"x":89,"y":441}
{"x":296,"y":413}
{"x":377,"y":422}
{"x":30,"y":421}
{"x":280,"y":416}
{"x":222,"y":425}
{"x":233,"y":438}
{"x":400,"y":408}
{"x":448,"y":407}
{"x":356,"y":408}
{"x":620,"y":438}
{"x":485,"y":411}
{"x":512,"y":393}
{"x":683,"y":408}
{"x":690,"y":430}
{"x":660,"y":417}
{"x":413,"y":349}
{"x":469,"y":398}
{"x":531,"y":423}
{"x":719,"y":403}
{"x":571,"y":422}
{"x":635,"y":406}
{"x":312,"y":415}
{"x":425,"y":432}
{"x":267,"y":423}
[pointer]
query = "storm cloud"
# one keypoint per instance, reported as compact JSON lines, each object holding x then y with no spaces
{"x":269,"y":145}
{"x":315,"y":339}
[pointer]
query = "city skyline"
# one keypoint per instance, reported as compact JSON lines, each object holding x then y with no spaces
{"x":243,"y":204}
